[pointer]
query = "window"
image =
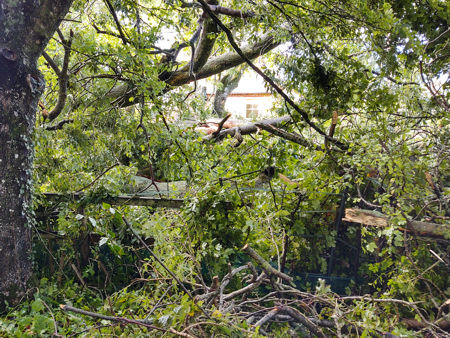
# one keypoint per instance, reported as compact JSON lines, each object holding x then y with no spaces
{"x":251,"y":111}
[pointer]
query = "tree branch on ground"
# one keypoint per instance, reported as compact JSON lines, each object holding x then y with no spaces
{"x":122,"y":320}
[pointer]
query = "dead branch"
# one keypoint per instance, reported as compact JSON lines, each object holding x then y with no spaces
{"x":374,"y":218}
{"x":268,"y":317}
{"x":123,"y":320}
{"x":297,"y":316}
{"x":265,"y":265}
{"x":248,"y":128}
{"x":220,"y":126}
{"x":246,"y":289}
{"x":226,"y":280}
{"x":293,"y":137}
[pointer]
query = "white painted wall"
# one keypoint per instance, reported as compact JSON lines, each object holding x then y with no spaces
{"x":251,"y":83}
{"x":237,"y":106}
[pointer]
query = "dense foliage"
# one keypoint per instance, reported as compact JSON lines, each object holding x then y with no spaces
{"x":382,"y":66}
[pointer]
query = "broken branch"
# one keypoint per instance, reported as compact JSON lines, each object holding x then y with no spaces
{"x":377,"y":219}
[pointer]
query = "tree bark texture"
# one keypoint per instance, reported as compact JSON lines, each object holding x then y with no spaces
{"x":25,"y":28}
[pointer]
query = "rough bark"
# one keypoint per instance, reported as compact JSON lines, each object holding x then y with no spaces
{"x":223,"y":62}
{"x":25,"y":28}
{"x":205,"y":46}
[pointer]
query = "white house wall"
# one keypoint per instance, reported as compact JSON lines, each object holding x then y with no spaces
{"x":236,"y":105}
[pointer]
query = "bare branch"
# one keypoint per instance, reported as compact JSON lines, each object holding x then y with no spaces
{"x":265,"y":265}
{"x":293,"y":137}
{"x":297,"y":316}
{"x":123,"y":320}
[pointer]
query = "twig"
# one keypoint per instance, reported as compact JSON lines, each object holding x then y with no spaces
{"x":163,"y":265}
{"x":98,"y":177}
{"x":80,"y":277}
{"x":55,"y":334}
{"x":220,"y":125}
{"x":158,"y":302}
{"x":124,"y":320}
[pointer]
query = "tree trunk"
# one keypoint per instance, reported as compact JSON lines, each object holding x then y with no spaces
{"x":25,"y":28}
{"x":17,"y":118}
{"x":228,"y":83}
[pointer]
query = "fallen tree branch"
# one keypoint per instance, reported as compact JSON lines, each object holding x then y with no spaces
{"x":377,"y":219}
{"x":248,"y":128}
{"x":293,"y":137}
{"x":220,"y":125}
{"x":139,"y":238}
{"x":120,"y":200}
{"x":298,"y":317}
{"x":265,"y":265}
{"x":183,"y":76}
{"x":123,"y":320}
{"x":245,"y":289}
{"x":287,"y":99}
{"x":416,"y":325}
